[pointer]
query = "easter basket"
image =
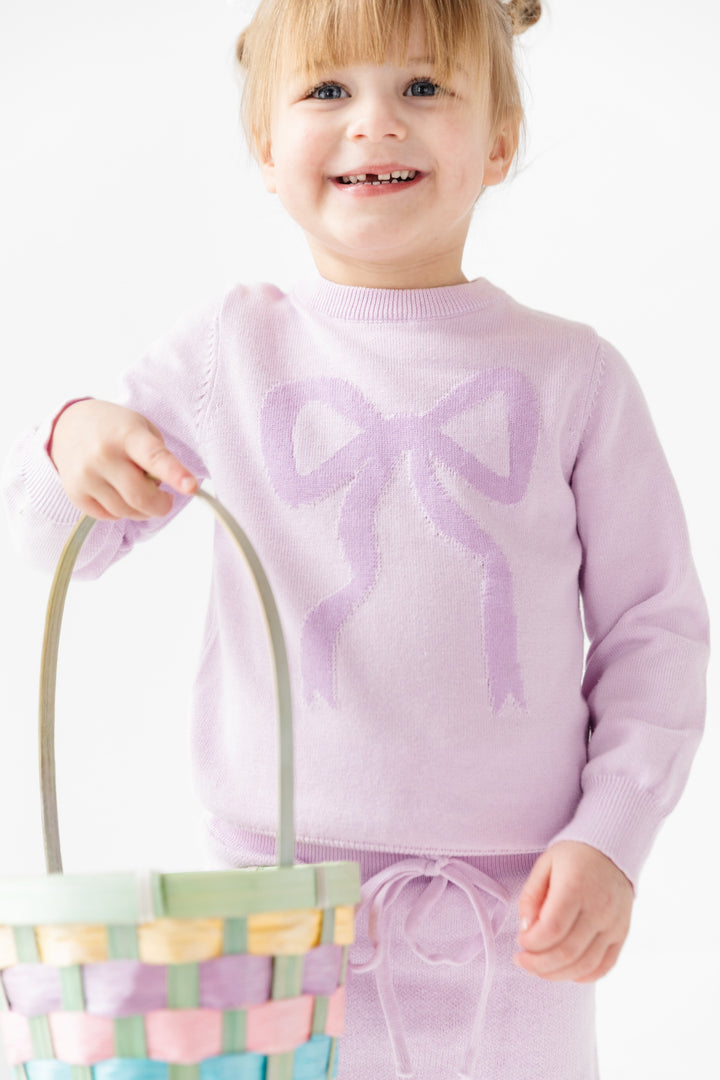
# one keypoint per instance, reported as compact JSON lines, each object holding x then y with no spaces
{"x":215,"y":975}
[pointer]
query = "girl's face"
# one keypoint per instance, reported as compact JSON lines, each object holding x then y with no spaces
{"x":371,"y":122}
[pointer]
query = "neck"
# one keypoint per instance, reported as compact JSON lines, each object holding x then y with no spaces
{"x":429,"y":275}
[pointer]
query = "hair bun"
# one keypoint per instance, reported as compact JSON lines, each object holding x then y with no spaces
{"x":523,"y":14}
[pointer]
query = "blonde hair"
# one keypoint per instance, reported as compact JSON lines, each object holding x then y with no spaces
{"x":314,"y":35}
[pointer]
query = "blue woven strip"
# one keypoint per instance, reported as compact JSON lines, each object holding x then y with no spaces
{"x":234,"y":1067}
{"x":130,"y":1069}
{"x":312,"y":1059}
{"x":48,"y":1070}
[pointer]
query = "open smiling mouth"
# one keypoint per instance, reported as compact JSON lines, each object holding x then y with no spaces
{"x":404,"y":176}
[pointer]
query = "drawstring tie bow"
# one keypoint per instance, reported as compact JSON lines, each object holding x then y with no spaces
{"x":489,"y":901}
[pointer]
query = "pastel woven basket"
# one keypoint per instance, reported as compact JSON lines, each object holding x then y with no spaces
{"x":231,"y":975}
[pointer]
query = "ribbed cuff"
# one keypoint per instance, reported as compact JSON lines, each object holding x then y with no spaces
{"x":43,"y":485}
{"x":619,"y":819}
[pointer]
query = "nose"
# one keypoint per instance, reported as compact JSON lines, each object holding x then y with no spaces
{"x":376,"y":117}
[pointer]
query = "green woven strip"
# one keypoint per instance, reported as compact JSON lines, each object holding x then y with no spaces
{"x":26,"y":945}
{"x":81,"y":1072}
{"x":183,"y":991}
{"x":18,"y":1072}
{"x":333,"y":1058}
{"x":41,"y":1038}
{"x":328,"y":927}
{"x":287,"y":976}
{"x":183,"y":1072}
{"x":73,"y":991}
{"x":130,"y":1037}
{"x":113,"y":899}
{"x":122,"y":943}
{"x":320,"y":1012}
{"x":344,"y":966}
{"x":233,"y":1035}
{"x":235,"y":936}
{"x":280,"y":1066}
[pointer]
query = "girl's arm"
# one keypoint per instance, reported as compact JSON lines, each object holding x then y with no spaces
{"x":110,"y":461}
{"x":100,"y":453}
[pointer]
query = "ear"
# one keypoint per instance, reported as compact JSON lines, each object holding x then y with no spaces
{"x":500,"y":156}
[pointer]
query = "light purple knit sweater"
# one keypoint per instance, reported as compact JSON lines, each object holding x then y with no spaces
{"x":433,"y":480}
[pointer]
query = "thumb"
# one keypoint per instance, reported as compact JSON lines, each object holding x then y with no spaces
{"x":148,"y":450}
{"x":534,"y":892}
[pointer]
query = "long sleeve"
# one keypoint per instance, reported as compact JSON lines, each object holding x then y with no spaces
{"x":646,"y":622}
{"x":168,"y":386}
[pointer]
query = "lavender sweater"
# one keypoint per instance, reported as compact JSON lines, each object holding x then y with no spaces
{"x":443,"y":486}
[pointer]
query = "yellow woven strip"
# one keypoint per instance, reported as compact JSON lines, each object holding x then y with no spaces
{"x":180,"y":941}
{"x":344,"y":925}
{"x":65,"y":945}
{"x":284,"y":933}
{"x":280,"y":1066}
{"x":8,"y":952}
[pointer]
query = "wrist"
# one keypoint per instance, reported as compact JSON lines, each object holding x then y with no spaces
{"x":53,"y":425}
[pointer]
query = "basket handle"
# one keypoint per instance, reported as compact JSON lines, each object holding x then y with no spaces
{"x":48,"y":679}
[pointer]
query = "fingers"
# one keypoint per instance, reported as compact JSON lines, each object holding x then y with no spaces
{"x":534,"y":893}
{"x":574,"y":914}
{"x":111,"y":461}
{"x":146,"y":448}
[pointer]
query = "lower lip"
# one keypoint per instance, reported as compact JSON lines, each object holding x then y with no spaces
{"x":365,"y":191}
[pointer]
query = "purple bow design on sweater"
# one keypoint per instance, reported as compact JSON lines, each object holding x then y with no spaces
{"x":365,"y":465}
{"x":489,"y":902}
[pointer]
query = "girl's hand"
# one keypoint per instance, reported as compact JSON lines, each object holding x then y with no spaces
{"x":576,"y":907}
{"x":110,"y":461}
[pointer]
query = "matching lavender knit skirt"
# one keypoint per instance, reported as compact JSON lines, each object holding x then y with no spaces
{"x":432,"y":991}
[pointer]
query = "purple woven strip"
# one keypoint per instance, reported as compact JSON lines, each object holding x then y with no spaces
{"x":124,"y":988}
{"x":234,"y":982}
{"x":33,"y":989}
{"x":321,"y":970}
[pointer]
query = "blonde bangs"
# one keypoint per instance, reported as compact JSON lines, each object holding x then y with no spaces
{"x":311,"y":37}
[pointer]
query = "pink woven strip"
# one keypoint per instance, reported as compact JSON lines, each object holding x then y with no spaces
{"x":80,"y":1039}
{"x":279,"y":1026}
{"x":335,"y":1024}
{"x":15,"y":1031}
{"x":183,"y":1036}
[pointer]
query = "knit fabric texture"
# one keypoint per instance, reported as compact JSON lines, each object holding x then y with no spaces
{"x":447,"y":490}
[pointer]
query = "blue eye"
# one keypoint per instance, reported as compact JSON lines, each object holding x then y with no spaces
{"x":327,"y":92}
{"x":423,"y":88}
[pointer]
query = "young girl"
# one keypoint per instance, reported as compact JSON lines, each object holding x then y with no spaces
{"x":434,"y":476}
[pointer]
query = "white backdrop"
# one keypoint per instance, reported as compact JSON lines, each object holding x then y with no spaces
{"x":127,"y":197}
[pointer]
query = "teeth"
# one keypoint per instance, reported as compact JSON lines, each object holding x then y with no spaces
{"x":382,"y":178}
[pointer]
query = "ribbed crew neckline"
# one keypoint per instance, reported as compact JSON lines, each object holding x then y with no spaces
{"x":354,"y":303}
